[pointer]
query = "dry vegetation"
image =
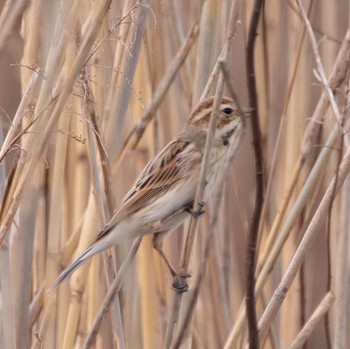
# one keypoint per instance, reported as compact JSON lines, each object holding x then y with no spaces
{"x":90,"y":91}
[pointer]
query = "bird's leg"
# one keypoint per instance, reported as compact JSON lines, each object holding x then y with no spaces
{"x":157,"y":245}
{"x":195,"y":213}
{"x":179,"y":285}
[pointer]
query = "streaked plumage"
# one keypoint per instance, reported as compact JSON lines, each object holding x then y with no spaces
{"x":163,"y":194}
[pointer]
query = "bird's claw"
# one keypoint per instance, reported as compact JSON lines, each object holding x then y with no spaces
{"x":180,"y":285}
{"x":195,"y":213}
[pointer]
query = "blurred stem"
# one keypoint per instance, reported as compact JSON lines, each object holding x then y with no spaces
{"x":259,"y":177}
{"x":320,"y":73}
{"x":306,"y":243}
{"x":12,"y":12}
{"x":276,"y":152}
{"x":309,"y":327}
{"x":113,"y":290}
{"x":341,"y":313}
{"x":328,"y":246}
{"x":137,"y":132}
{"x":47,"y":124}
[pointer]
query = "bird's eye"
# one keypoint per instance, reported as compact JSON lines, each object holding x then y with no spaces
{"x":228,"y":111}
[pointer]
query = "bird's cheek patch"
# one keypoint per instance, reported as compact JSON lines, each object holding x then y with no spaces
{"x":226,"y":137}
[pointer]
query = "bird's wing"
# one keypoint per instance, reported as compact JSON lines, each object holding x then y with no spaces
{"x":159,"y":176}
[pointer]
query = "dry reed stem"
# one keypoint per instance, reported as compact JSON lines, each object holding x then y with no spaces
{"x":113,"y":290}
{"x":229,"y":85}
{"x":207,"y":47}
{"x":119,"y":50}
{"x":186,"y":253}
{"x":115,"y":128}
{"x":337,"y":76}
{"x":272,"y":248}
{"x":11,"y":13}
{"x":313,"y":229}
{"x":78,"y":279}
{"x":321,"y":74}
{"x":31,"y":35}
{"x":259,"y":176}
{"x":38,"y":146}
{"x":315,"y":318}
{"x":7,"y":318}
{"x":297,"y":207}
{"x":77,"y":65}
{"x":341,"y":288}
{"x":341,"y":313}
{"x":95,"y":126}
{"x":179,"y":37}
{"x":55,"y":213}
{"x":97,"y":160}
{"x":274,"y":160}
{"x":185,"y":257}
{"x":276,"y":248}
{"x":36,"y":306}
{"x":12,"y":311}
{"x":184,"y":325}
{"x":230,"y":35}
{"x":71,"y":244}
{"x":131,"y":321}
{"x":21,"y":253}
{"x":135,"y":135}
{"x":11,"y":136}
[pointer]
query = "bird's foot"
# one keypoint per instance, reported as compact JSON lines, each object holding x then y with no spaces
{"x":180,"y":285}
{"x":195,"y":213}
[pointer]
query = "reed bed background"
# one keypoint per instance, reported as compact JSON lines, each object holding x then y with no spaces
{"x":90,"y":91}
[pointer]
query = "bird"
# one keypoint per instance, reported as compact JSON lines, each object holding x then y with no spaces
{"x":163,"y":195}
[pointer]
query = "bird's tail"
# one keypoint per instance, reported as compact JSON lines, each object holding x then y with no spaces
{"x":104,"y":241}
{"x":78,"y":262}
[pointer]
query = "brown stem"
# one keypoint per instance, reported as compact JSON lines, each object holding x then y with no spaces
{"x":259,"y":177}
{"x":328,"y":249}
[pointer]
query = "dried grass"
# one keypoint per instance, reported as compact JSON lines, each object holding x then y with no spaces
{"x":100,"y":88}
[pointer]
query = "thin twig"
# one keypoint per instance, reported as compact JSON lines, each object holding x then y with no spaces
{"x":275,"y":157}
{"x":231,"y":34}
{"x":321,"y":74}
{"x":313,"y":229}
{"x":229,"y":85}
{"x":341,"y":313}
{"x":201,"y":272}
{"x":315,"y":318}
{"x":135,"y":135}
{"x":196,"y":206}
{"x":272,"y":248}
{"x":36,"y":305}
{"x":11,"y":134}
{"x":202,"y":178}
{"x":328,"y":247}
{"x":61,"y":100}
{"x":94,"y":125}
{"x":113,"y":290}
{"x":259,"y":177}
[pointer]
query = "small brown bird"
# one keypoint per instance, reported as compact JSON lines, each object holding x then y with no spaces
{"x":163,"y":195}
